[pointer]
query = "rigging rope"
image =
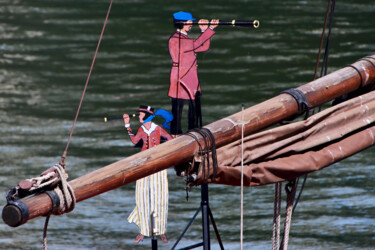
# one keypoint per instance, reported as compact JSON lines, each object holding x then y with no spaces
{"x":290,"y":190}
{"x":330,"y":12}
{"x":291,"y":204}
{"x":321,"y":40}
{"x":87,"y":81}
{"x":66,"y":197}
{"x":64,"y":191}
{"x":326,"y":51}
{"x":209,"y":147}
{"x":242,"y":153}
{"x":276,"y":217}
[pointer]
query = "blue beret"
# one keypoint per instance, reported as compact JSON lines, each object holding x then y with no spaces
{"x":183,"y":16}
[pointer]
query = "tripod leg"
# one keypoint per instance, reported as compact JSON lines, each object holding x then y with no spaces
{"x":216,"y":231}
{"x":187,"y":227}
{"x":206,"y":228}
{"x":205,"y":217}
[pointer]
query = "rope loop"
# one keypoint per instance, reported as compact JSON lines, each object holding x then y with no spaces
{"x":289,"y":187}
{"x":65,"y":193}
{"x":62,"y":198}
{"x":209,"y":147}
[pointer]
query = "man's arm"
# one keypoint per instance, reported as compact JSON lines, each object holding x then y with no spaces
{"x":204,"y":40}
{"x":173,"y":46}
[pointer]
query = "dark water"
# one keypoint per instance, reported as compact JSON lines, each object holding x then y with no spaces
{"x":46,"y":48}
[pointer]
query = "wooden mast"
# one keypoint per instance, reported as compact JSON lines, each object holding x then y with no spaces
{"x":182,"y":149}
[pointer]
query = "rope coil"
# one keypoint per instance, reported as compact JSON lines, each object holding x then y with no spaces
{"x":62,"y":198}
{"x":65,"y":193}
{"x":208,"y":148}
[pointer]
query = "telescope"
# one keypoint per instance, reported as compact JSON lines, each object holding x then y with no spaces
{"x":239,"y":23}
{"x":106,"y":119}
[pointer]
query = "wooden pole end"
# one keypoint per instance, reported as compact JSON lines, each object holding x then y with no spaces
{"x":15,"y":213}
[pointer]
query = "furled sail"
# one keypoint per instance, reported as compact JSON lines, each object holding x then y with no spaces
{"x":289,"y":151}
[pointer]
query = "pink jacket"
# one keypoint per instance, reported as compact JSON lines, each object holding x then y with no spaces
{"x":184,"y":63}
{"x":150,"y":137}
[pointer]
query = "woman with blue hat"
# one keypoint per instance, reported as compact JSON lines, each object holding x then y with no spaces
{"x":151,"y":195}
{"x":184,"y":83}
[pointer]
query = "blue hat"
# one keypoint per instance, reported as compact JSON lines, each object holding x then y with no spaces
{"x":183,"y":16}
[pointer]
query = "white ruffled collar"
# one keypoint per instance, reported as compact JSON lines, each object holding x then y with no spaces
{"x":149,"y":131}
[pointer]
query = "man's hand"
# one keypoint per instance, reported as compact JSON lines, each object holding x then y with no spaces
{"x":126,"y":118}
{"x":203,"y":24}
{"x":214,"y":23}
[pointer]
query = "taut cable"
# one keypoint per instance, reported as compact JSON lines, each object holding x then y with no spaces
{"x":242,"y":136}
{"x":321,"y":40}
{"x":87,"y":82}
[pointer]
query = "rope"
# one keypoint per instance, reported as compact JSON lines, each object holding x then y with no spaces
{"x":87,"y":81}
{"x":321,"y":40}
{"x":42,"y":181}
{"x":290,"y":190}
{"x":66,"y":197}
{"x":242,"y":153}
{"x":45,"y":233}
{"x":276,"y":217}
{"x":325,"y":65}
{"x":300,"y":192}
{"x":326,"y":51}
{"x":64,"y":190}
{"x":209,"y":146}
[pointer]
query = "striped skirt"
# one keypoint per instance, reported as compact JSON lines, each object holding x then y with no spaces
{"x":151,"y":195}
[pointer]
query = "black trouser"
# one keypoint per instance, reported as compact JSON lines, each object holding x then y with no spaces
{"x":194,"y":114}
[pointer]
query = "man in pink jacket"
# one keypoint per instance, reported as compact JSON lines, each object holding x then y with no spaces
{"x":184,"y":82}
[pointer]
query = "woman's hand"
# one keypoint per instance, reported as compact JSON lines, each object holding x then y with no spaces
{"x":126,"y":118}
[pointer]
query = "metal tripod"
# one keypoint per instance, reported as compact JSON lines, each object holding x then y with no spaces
{"x":206,"y":215}
{"x":204,"y":206}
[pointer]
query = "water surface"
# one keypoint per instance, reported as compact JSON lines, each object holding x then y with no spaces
{"x":46,"y":48}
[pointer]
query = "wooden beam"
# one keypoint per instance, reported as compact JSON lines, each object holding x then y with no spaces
{"x":183,"y":148}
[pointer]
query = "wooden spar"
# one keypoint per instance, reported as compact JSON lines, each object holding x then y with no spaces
{"x":183,"y":148}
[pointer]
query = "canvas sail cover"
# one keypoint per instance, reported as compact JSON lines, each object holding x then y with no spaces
{"x":289,"y":151}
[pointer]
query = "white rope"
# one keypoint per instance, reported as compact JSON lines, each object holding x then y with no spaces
{"x":65,"y":193}
{"x":41,"y":181}
{"x":242,"y":153}
{"x":276,"y":217}
{"x":66,"y":196}
{"x":289,"y":211}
